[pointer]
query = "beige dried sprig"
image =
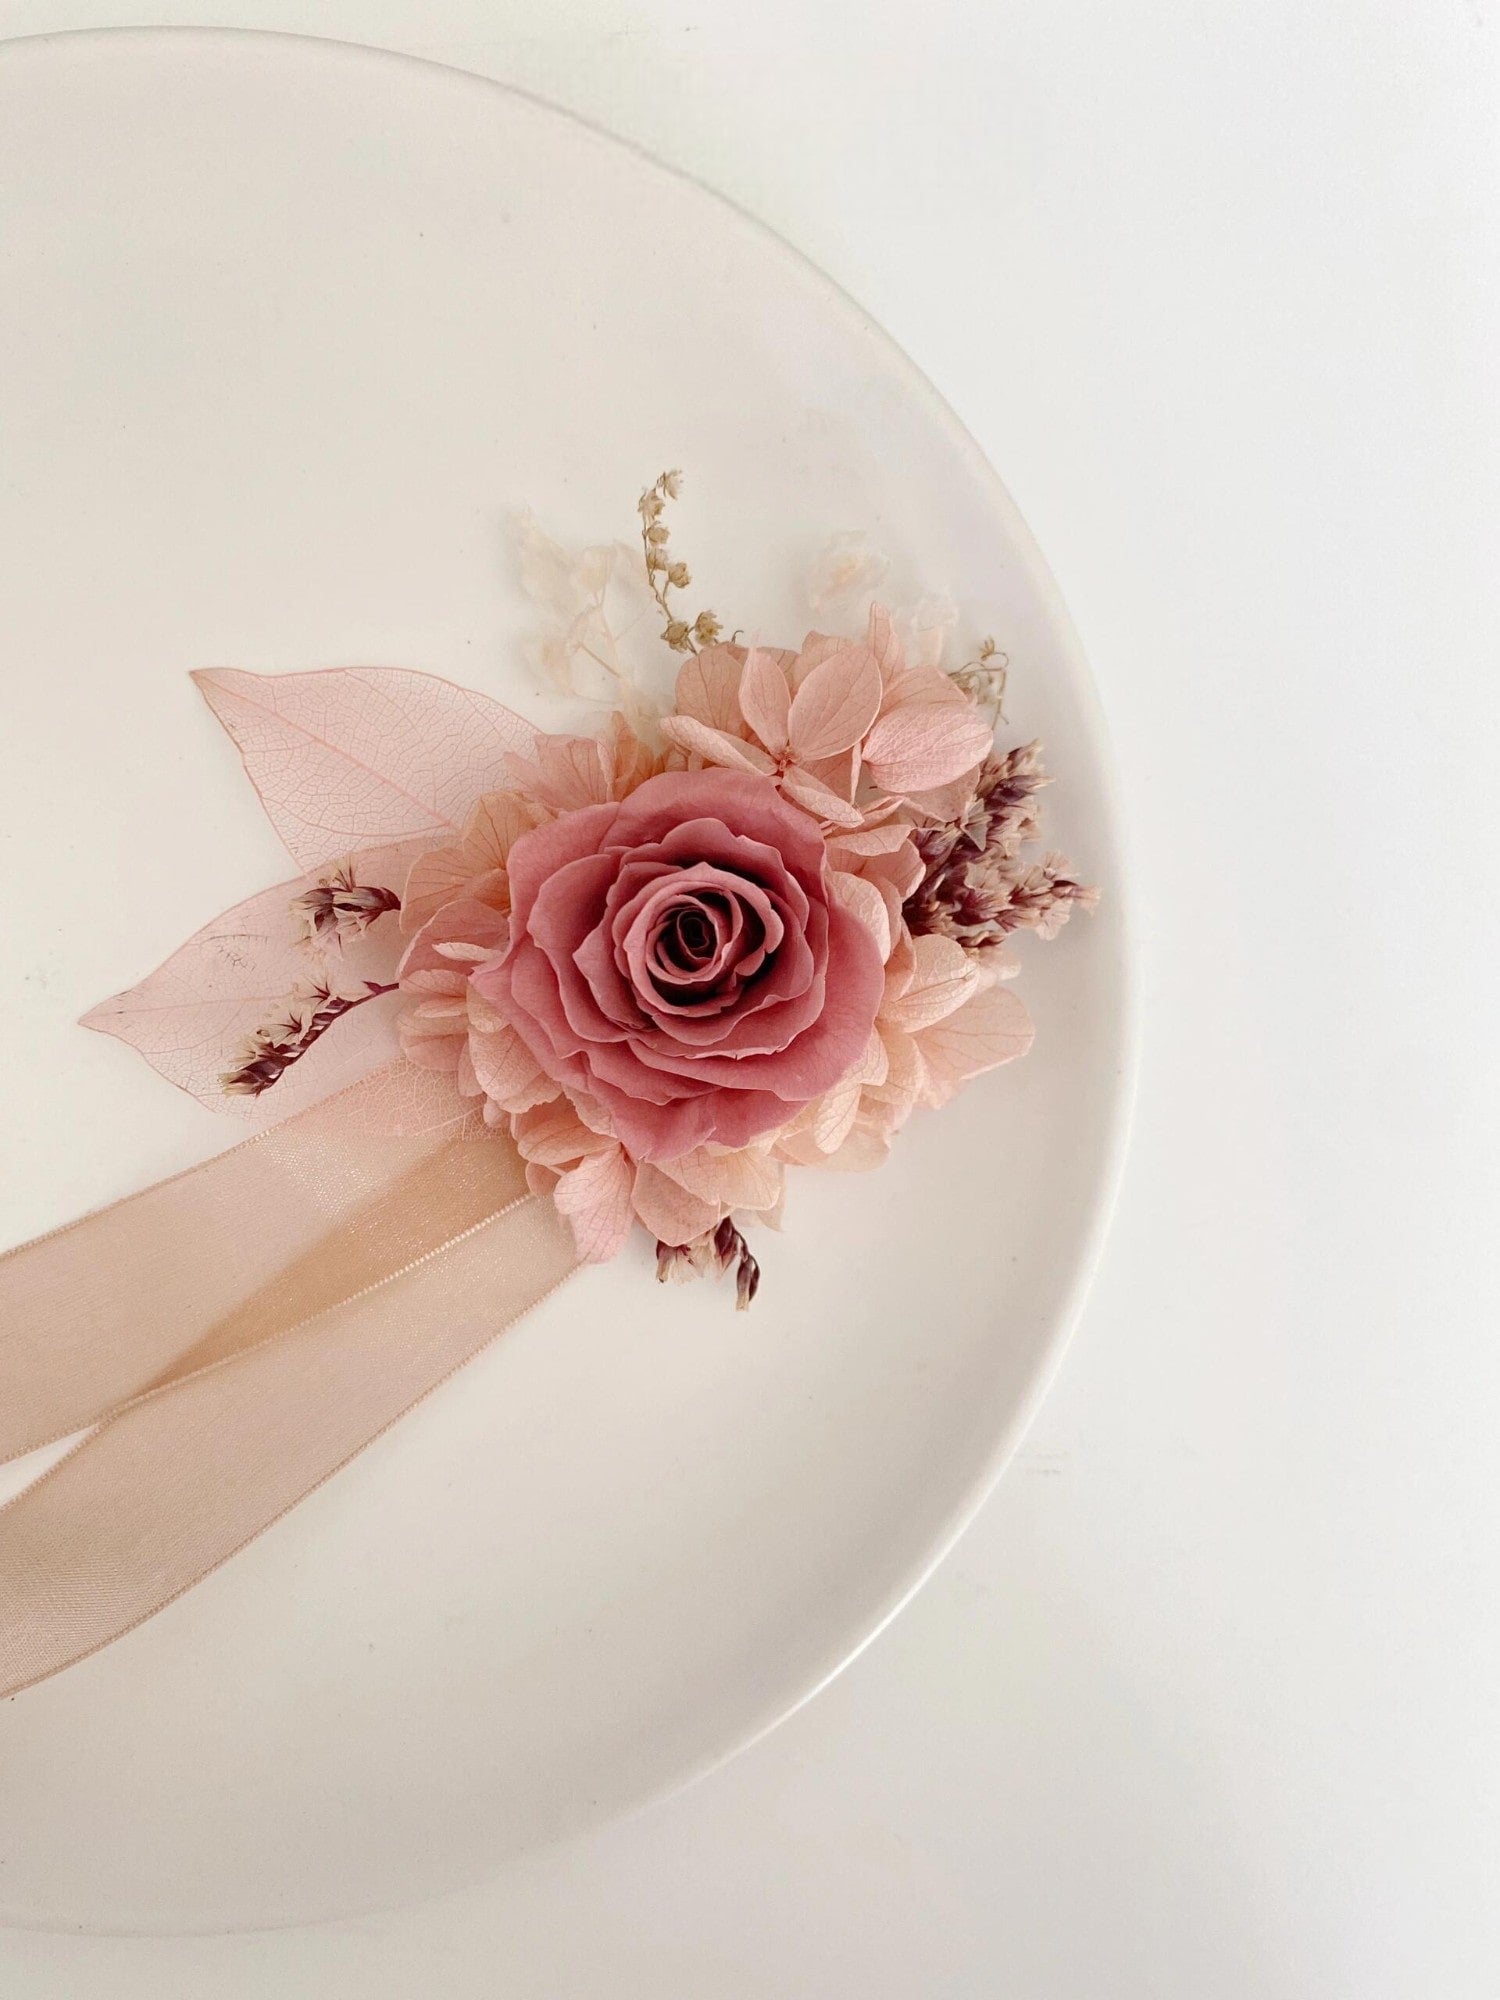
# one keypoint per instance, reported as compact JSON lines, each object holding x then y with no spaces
{"x":272,"y":1050}
{"x":665,"y":573}
{"x":983,"y":678}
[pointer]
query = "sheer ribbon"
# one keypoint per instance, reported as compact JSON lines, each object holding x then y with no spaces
{"x":231,"y":1337}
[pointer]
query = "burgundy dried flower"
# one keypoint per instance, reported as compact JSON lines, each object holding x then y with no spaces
{"x":977,"y":886}
{"x":713,"y":1254}
{"x":273,"y":1049}
{"x":339,"y":907}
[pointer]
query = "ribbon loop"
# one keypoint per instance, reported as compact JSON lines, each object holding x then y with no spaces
{"x":235,"y":1335}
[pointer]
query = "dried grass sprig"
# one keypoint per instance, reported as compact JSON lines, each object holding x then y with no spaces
{"x":978,"y":884}
{"x":272,"y":1050}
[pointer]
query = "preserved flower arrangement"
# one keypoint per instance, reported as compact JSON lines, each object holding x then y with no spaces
{"x":669,"y":960}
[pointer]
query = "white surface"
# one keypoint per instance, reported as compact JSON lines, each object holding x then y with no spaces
{"x":319,"y":306}
{"x":1205,"y":1703}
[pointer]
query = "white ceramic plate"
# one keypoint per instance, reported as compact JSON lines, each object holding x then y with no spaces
{"x":285,"y":329}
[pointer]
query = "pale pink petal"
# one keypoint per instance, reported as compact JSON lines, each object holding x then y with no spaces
{"x":872,"y":839}
{"x":444,"y":1007}
{"x":554,"y":1135}
{"x":866,"y":1145}
{"x":834,"y":1115}
{"x":714,"y":746}
{"x":749,"y":1178}
{"x":866,"y":902}
{"x":415,"y":1026}
{"x":991,"y":1028}
{"x":668,"y":1210}
{"x":563,"y":774}
{"x":435,"y":878}
{"x":862,"y":1151}
{"x":835,"y":705}
{"x":483,"y":1018}
{"x":884,"y":644}
{"x":840,"y":774}
{"x":923,"y":687}
{"x":814,"y":797}
{"x":765,"y":699}
{"x":708,"y":688}
{"x":468,"y":1084}
{"x":845,"y":568}
{"x":944,"y":977}
{"x":435,"y":979}
{"x":816,"y":648}
{"x":900,"y":870}
{"x":899,"y":967}
{"x":874,"y":1066}
{"x":946,"y":802}
{"x":495,"y":825}
{"x":507,"y":1071}
{"x":355,"y":757}
{"x":904,"y":1069}
{"x":913,"y":748}
{"x":595,"y":1198}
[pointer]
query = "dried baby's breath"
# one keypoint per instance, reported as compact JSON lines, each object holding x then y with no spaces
{"x":983,"y":678}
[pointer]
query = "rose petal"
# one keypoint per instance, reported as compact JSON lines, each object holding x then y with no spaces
{"x":539,"y":854}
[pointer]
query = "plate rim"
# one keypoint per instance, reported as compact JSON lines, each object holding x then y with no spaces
{"x":1121,"y":1090}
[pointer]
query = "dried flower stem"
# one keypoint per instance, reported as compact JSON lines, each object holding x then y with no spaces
{"x":712,"y":1255}
{"x":664,"y":574}
{"x":983,"y":678}
{"x":272,"y":1050}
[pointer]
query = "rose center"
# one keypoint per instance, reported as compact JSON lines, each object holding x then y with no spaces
{"x":691,"y":938}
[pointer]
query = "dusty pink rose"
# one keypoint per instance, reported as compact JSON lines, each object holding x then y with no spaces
{"x":679,"y":958}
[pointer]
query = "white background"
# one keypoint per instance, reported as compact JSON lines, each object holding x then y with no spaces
{"x":1207,"y":1703}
